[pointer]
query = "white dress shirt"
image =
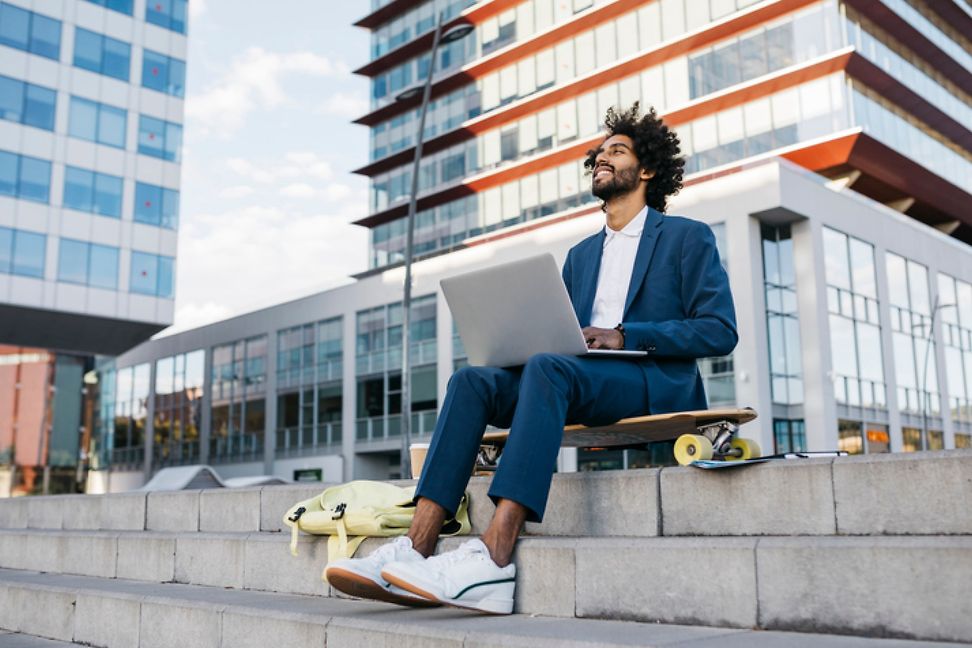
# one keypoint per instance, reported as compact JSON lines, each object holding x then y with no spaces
{"x":617,"y":264}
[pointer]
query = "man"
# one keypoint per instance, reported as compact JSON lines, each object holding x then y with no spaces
{"x":646,"y":281}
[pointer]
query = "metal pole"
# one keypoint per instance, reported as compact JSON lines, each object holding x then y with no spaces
{"x":924,"y":373}
{"x":409,"y":241}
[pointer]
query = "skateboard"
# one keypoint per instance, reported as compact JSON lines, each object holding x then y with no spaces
{"x":716,"y":465}
{"x":698,"y":435}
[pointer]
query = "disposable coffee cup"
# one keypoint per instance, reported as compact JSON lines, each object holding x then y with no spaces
{"x":417,"y":451}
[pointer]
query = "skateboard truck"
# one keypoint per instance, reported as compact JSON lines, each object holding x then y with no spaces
{"x":714,"y":440}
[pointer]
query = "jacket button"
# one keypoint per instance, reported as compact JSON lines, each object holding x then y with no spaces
{"x":651,"y":348}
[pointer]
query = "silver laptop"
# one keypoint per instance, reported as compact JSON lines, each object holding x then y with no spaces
{"x":509,"y":312}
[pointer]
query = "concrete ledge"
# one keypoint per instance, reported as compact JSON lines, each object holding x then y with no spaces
{"x":915,"y":587}
{"x":109,"y":621}
{"x":146,"y":557}
{"x":47,"y":512}
{"x":93,"y":554}
{"x":13,"y":513}
{"x":230,"y":510}
{"x":175,"y":511}
{"x":209,"y":559}
{"x":186,"y":615}
{"x":82,"y":512}
{"x":904,"y":493}
{"x":275,"y":501}
{"x":270,"y":567}
{"x":695,"y":581}
{"x":778,"y":498}
{"x":123,"y":512}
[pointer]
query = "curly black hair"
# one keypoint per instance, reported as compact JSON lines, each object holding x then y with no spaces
{"x":655,"y":146}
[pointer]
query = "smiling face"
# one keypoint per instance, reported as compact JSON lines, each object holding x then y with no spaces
{"x":616,"y":169}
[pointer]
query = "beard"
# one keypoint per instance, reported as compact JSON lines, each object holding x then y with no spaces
{"x":619,"y":184}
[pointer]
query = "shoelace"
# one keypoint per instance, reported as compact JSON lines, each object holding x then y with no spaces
{"x":465,"y":550}
{"x":387,"y":551}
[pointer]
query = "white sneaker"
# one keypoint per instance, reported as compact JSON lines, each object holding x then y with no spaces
{"x":361,"y":577}
{"x":466,"y":577}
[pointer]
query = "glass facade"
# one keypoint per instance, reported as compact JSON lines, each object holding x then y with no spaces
{"x":789,"y":435}
{"x":163,"y":73}
{"x":178,"y":409}
{"x":913,"y":341}
{"x":238,"y":401}
{"x":121,"y":6}
{"x":782,"y":321}
{"x":378,"y":368}
{"x":88,"y":264}
{"x":102,"y":54}
{"x":855,"y":333}
{"x":97,"y":122}
{"x":92,"y":192}
{"x":131,"y":393}
{"x":309,"y":388}
{"x":27,"y":104}
{"x":22,"y":253}
{"x":156,"y":206}
{"x":151,"y":274}
{"x":24,"y":177}
{"x":955,"y":310}
{"x":159,"y":138}
{"x":170,"y":14}
{"x":29,"y":31}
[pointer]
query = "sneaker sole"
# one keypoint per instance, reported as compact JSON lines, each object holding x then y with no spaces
{"x":431,"y":598}
{"x":360,"y":587}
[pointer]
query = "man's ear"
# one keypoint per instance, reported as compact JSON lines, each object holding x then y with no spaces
{"x":646,"y":174}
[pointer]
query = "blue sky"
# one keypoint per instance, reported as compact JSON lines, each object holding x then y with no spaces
{"x":267,"y":193}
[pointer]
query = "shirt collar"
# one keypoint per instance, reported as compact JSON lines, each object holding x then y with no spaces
{"x":632,"y":230}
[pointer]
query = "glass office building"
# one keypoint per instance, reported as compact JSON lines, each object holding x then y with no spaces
{"x":91,"y":109}
{"x":827,"y":144}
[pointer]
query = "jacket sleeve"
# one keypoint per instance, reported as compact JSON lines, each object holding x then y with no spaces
{"x":567,"y":275}
{"x":709,"y":327}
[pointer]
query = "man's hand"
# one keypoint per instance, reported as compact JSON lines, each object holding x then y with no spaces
{"x":601,"y":338}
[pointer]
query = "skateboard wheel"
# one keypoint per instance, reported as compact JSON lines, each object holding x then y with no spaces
{"x":748,"y":448}
{"x":692,"y":447}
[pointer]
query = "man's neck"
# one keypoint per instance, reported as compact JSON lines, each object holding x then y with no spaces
{"x":621,"y":210}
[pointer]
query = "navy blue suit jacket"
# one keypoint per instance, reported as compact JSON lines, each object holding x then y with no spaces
{"x":678,"y":307}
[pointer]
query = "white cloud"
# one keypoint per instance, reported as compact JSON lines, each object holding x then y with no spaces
{"x":253,"y":81}
{"x":347,"y":105}
{"x":228,"y":258}
{"x":298,"y":190}
{"x":236,"y":191}
{"x":296,"y":165}
{"x":197,"y":8}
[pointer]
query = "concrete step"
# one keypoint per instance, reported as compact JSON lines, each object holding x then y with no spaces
{"x":110,"y":613}
{"x":20,"y":640}
{"x":899,"y":494}
{"x":911,"y":586}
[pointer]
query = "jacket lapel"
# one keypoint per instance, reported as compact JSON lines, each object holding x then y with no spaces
{"x":646,"y":247}
{"x":584,"y":305}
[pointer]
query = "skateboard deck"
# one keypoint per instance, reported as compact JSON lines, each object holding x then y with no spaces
{"x":709,"y":464}
{"x":628,"y":432}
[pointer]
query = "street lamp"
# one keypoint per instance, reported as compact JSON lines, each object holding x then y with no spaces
{"x":924,"y":373}
{"x":451,"y":35}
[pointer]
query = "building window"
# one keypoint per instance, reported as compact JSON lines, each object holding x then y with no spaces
{"x":126,"y":445}
{"x":239,"y":400}
{"x":121,"y":6}
{"x":96,"y":122}
{"x":782,"y":322}
{"x":849,"y":437}
{"x":379,"y":361}
{"x":156,"y":206}
{"x":22,"y":253}
{"x":914,"y":348}
{"x":26,"y":103}
{"x":159,"y":138}
{"x":25,"y":177}
{"x":163,"y":73}
{"x":955,"y":310}
{"x":855,"y":337}
{"x":170,"y":14}
{"x":88,"y":264}
{"x":89,"y":191}
{"x":309,"y":397}
{"x":102,"y":54}
{"x":151,"y":275}
{"x":178,"y":408}
{"x":29,"y":31}
{"x":789,"y":435}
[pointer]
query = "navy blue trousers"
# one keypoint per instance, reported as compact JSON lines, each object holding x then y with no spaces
{"x":535,"y":402}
